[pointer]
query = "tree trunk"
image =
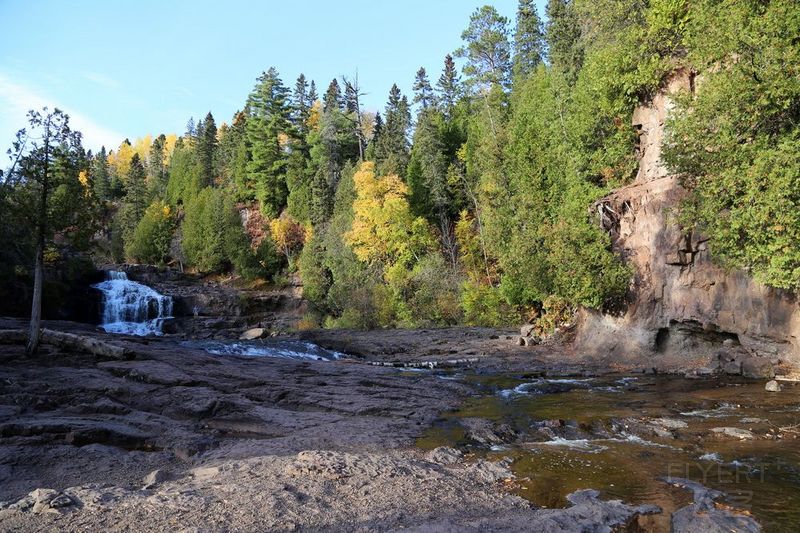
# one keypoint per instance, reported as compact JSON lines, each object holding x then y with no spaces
{"x":69,"y":342}
{"x":38,"y":275}
{"x":35,"y":332}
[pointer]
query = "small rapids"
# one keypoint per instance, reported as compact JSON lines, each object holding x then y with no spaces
{"x":132,"y":308}
{"x":287,"y":349}
{"x":624,"y":435}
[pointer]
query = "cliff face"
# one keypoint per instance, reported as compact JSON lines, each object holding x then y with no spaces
{"x":681,"y":307}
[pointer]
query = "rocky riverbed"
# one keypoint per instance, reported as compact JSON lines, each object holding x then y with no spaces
{"x":178,"y":437}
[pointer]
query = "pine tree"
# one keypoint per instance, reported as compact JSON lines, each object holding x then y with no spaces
{"x":267,"y":124}
{"x":423,"y":92}
{"x":528,"y":40}
{"x":563,"y":35}
{"x":448,"y":86}
{"x":487,"y":50}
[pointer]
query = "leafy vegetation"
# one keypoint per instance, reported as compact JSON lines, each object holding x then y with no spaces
{"x":468,"y":201}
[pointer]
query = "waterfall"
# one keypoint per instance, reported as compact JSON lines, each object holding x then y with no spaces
{"x":132,"y":308}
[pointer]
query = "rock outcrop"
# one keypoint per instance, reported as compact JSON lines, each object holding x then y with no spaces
{"x":681,"y":307}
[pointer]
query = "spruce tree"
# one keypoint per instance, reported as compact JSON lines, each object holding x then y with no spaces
{"x":100,"y":175}
{"x":333,"y":97}
{"x":423,"y":92}
{"x":448,"y":86}
{"x":207,"y":144}
{"x":312,"y":93}
{"x":391,"y":148}
{"x":267,"y":123}
{"x":563,"y":35}
{"x":528,"y":40}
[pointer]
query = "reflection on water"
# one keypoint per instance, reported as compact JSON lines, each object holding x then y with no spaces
{"x":610,"y":451}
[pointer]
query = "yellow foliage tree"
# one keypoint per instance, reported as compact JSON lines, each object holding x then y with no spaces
{"x":119,"y":162}
{"x":288,"y":234}
{"x":141,"y":146}
{"x":314,"y":114}
{"x":169,"y":146}
{"x":384,"y":230}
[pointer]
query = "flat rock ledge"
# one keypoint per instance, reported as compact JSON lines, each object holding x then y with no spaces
{"x":321,"y":491}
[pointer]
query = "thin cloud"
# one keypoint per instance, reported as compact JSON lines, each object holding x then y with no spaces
{"x":102,"y":79}
{"x":17,"y":99}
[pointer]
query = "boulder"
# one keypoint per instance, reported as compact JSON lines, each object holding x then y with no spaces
{"x":527,"y":330}
{"x":757,"y":368}
{"x":252,"y":334}
{"x":444,"y":455}
{"x":772,"y":386}
{"x":737,"y":433}
{"x":705,"y":515}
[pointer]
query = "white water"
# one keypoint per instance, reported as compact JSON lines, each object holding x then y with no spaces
{"x":287,"y":349}
{"x":132,"y":308}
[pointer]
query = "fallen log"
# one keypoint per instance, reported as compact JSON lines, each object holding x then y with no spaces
{"x":69,"y":341}
{"x":426,"y":364}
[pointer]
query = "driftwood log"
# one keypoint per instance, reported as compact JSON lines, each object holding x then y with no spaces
{"x":69,"y":341}
{"x":426,"y":364}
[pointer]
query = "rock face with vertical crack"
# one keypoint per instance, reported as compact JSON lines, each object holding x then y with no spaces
{"x":681,"y":307}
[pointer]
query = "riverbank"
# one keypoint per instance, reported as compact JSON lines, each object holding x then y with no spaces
{"x":179,"y":437}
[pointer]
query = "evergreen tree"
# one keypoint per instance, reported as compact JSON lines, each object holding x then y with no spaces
{"x":563,"y":35}
{"x":448,"y":86}
{"x":45,"y":175}
{"x":267,"y":124}
{"x":301,"y":106}
{"x":487,"y":50}
{"x":391,"y":149}
{"x":333,"y":97}
{"x":423,"y":92}
{"x":207,"y":144}
{"x":102,"y":185}
{"x":312,"y":93}
{"x":156,"y":167}
{"x":528,"y":40}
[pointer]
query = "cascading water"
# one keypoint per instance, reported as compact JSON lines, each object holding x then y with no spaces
{"x":132,"y":308}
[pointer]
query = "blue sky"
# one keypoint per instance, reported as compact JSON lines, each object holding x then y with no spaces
{"x":133,"y":68}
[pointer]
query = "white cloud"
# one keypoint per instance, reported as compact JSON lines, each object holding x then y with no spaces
{"x":17,"y":99}
{"x":102,"y":79}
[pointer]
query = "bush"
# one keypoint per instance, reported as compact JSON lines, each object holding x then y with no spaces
{"x":484,"y":305}
{"x":151,"y":239}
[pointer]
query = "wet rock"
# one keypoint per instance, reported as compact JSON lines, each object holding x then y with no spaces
{"x":487,"y":433}
{"x":734,"y":432}
{"x":253,"y":333}
{"x":527,"y":330}
{"x":704,"y":515}
{"x":772,"y":386}
{"x":670,"y":423}
{"x":732,"y":368}
{"x":590,"y":513}
{"x":757,"y":368}
{"x":444,"y":455}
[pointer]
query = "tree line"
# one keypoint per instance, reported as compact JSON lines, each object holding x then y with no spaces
{"x":466,"y":202}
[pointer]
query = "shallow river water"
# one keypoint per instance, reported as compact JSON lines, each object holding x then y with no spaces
{"x":623,"y":435}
